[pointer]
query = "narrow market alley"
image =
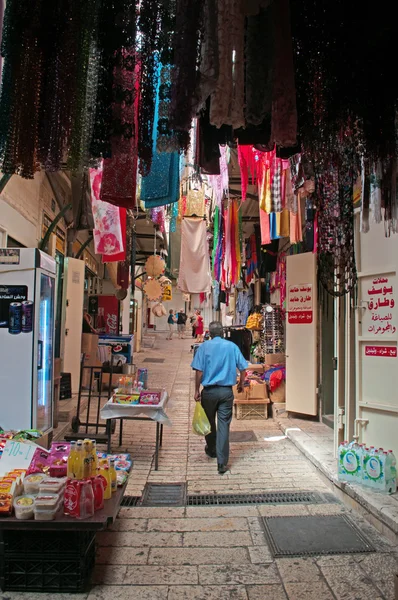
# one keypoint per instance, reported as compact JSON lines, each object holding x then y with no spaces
{"x":220,"y":552}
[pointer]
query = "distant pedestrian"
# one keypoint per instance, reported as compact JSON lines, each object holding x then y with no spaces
{"x":199,"y":327}
{"x":171,"y":320}
{"x":181,"y":320}
{"x":192,"y":320}
{"x":216,"y":363}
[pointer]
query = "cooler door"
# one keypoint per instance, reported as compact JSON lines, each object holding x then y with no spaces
{"x":45,"y":351}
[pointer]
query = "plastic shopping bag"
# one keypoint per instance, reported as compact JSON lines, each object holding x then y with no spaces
{"x":200,"y":422}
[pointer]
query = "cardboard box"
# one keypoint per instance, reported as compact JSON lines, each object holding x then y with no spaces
{"x":89,"y":343}
{"x":257,"y":391}
{"x":256,"y":367}
{"x":275,"y":359}
{"x":239,"y":395}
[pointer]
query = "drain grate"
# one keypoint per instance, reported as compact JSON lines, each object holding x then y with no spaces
{"x":265,"y":498}
{"x":313,"y":535}
{"x":242,"y":436}
{"x":153,"y":360}
{"x":159,"y":494}
{"x":130,"y":501}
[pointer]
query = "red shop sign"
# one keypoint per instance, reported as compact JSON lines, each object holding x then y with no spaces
{"x":301,"y":317}
{"x":384,"y":351}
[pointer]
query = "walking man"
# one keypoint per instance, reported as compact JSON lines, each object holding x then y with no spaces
{"x":216,"y":362}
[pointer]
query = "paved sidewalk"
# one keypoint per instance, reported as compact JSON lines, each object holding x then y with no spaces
{"x":220,"y":553}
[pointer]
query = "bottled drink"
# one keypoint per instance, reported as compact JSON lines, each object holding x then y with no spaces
{"x":113,"y":475}
{"x":94,"y":458}
{"x":86,"y":508}
{"x":87,"y":459}
{"x":350,"y":468}
{"x":391,"y":473}
{"x":72,"y":460}
{"x":78,"y":463}
{"x":101,"y":326}
{"x":106,"y":477}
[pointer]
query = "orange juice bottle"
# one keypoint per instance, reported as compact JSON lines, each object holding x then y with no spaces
{"x":106,"y":476}
{"x":87,"y":447}
{"x":71,"y":460}
{"x":94,"y":458}
{"x":78,"y":462}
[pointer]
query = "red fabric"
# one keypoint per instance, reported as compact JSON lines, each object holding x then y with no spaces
{"x":122,"y":255}
{"x":119,"y":180}
{"x":199,"y":326}
{"x":247,"y":162}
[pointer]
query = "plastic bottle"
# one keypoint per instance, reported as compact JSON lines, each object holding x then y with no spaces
{"x":72,"y":460}
{"x":86,"y":500}
{"x":94,"y":458}
{"x":350,"y":468}
{"x":374,"y":469}
{"x":87,"y":458}
{"x":113,"y":475}
{"x":391,"y":473}
{"x":106,"y":476}
{"x":78,"y":466}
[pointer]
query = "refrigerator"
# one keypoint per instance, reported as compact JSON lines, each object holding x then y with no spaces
{"x":27,"y":324}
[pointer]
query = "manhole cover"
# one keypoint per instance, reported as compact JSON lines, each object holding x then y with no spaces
{"x":153,"y":360}
{"x":308,"y":536}
{"x":159,"y":494}
{"x":242,"y":436}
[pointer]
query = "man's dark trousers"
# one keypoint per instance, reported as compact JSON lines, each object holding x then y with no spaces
{"x":218,"y":400}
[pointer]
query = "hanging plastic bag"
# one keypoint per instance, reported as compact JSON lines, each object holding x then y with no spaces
{"x":200,"y":422}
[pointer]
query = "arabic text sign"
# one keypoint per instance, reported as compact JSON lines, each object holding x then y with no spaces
{"x":380,"y":317}
{"x":383,"y":351}
{"x":300,"y":303}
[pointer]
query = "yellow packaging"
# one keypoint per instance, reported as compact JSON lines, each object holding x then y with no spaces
{"x":106,"y":475}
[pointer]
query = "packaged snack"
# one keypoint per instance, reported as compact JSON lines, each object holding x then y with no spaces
{"x":52,"y":485}
{"x":7,"y":487}
{"x":59,"y":453}
{"x":122,"y":465}
{"x":24,"y":506}
{"x":5,"y":505}
{"x":47,"y":506}
{"x":40,"y":462}
{"x":32,"y":483}
{"x":150,"y":396}
{"x":121,"y":477}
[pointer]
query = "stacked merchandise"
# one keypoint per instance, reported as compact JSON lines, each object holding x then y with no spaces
{"x":252,"y":401}
{"x":72,"y":476}
{"x":372,"y":467}
{"x":134,"y":391}
{"x":272,"y":338}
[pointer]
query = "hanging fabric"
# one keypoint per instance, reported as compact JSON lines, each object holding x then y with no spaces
{"x":162,"y":184}
{"x":109,"y":223}
{"x":220,"y":183}
{"x":194,"y":276}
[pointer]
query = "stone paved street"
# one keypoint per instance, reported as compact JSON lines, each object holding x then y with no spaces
{"x":221,"y":553}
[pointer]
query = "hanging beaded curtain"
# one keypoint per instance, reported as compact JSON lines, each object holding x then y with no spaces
{"x":148,"y":46}
{"x":48,"y":90}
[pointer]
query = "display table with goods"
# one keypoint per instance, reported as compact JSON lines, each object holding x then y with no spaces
{"x":52,"y":503}
{"x":137,"y":405}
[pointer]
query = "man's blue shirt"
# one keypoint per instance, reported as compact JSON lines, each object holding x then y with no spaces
{"x":218,"y":359}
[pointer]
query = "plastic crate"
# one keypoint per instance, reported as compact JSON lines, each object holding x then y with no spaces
{"x":46,"y":543}
{"x":251,"y":410}
{"x":44,"y":574}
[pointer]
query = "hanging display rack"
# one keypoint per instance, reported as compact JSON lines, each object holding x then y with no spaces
{"x":272,"y":335}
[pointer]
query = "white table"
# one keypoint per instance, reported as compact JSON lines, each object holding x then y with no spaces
{"x":138,"y":412}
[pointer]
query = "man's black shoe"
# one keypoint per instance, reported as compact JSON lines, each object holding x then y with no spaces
{"x":222,"y":469}
{"x":210,"y":454}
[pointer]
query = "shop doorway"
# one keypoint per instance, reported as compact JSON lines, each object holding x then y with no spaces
{"x":327,"y":359}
